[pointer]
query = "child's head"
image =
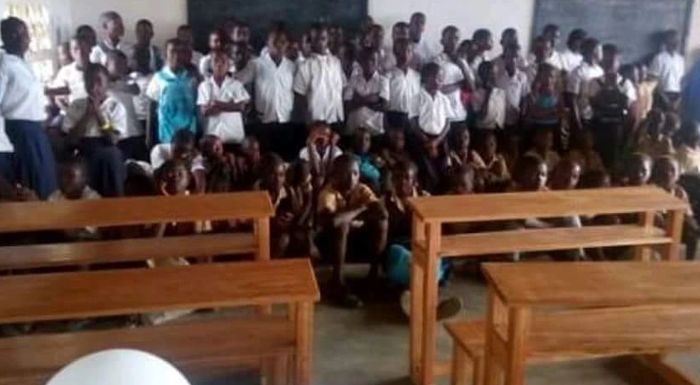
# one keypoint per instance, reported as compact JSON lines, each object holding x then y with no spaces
{"x":576,"y":38}
{"x":450,"y":39}
{"x":218,"y":41}
{"x":395,"y":138}
{"x":638,"y":169}
{"x":277,"y":42}
{"x":241,"y":33}
{"x":673,"y":124}
{"x":465,"y":49}
{"x":665,"y":172}
{"x":321,"y":134}
{"x":591,"y":50}
{"x":462,"y":179}
{"x":552,"y":33}
{"x":643,"y":71}
{"x":509,"y":36}
{"x":184,"y":34}
{"x":117,"y":64}
{"x":690,"y":134}
{"x":566,"y":175}
{"x":511,"y":56}
{"x":112,"y":25}
{"x":611,"y":58}
{"x":319,"y":38}
{"x":80,"y":50}
{"x":88,"y":33}
{"x":173,"y":177}
{"x":369,"y":59}
{"x":461,"y":139}
{"x":144,"y":32}
{"x":64,"y":54}
{"x":345,"y":173}
{"x":594,"y":179}
{"x":417,"y":26}
{"x":142,"y":59}
{"x":630,"y":72}
{"x":183,"y":144}
{"x":299,"y":174}
{"x":362,"y":142}
{"x":489,"y":144}
{"x":530,"y":173}
{"x":15,"y":35}
{"x":273,"y":172}
{"x":175,"y":54}
{"x":336,"y":37}
{"x":482,"y":40}
{"x":431,"y":77}
{"x":375,"y":37}
{"x":487,"y":74}
{"x":672,"y":40}
{"x":250,"y":149}
{"x":543,"y":139}
{"x":400,"y":30}
{"x":72,"y":178}
{"x":220,"y":64}
{"x":542,"y":48}
{"x":211,"y":146}
{"x":403,"y":51}
{"x":404,"y":178}
{"x":96,"y":80}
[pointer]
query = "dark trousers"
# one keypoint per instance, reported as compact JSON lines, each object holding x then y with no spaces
{"x":134,"y":148}
{"x":284,"y":139}
{"x":34,"y":164}
{"x":106,"y":170}
{"x":395,"y":119}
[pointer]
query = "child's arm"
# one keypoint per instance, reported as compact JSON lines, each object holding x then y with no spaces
{"x":56,"y":91}
{"x":231,"y":106}
{"x":77,"y":128}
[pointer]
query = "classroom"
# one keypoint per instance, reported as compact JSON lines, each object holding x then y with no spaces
{"x":355,"y":192}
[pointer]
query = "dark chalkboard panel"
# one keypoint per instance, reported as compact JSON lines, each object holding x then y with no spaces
{"x":205,"y":15}
{"x":633,"y":25}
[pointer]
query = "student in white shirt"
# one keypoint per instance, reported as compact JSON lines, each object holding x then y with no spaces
{"x":319,"y":81}
{"x":515,"y":83}
{"x":184,"y":34}
{"x":221,"y":100}
{"x":404,"y":85}
{"x":571,"y":57}
{"x":367,"y":96}
{"x":22,"y":106}
{"x":509,"y":37}
{"x":88,"y":33}
{"x":578,"y":91}
{"x":141,"y":77}
{"x":243,"y":65}
{"x":453,"y":77}
{"x":144,"y":37}
{"x":96,"y":124}
{"x":113,"y":31}
{"x":400,"y":30}
{"x":489,"y":102}
{"x":482,"y":44}
{"x":543,"y":52}
{"x":69,"y":80}
{"x":274,"y":97}
{"x":218,"y":41}
{"x":668,"y":67}
{"x":423,"y":50}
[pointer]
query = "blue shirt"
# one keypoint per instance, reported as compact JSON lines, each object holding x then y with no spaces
{"x":175,"y":94}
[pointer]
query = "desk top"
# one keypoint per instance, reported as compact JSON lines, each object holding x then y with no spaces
{"x":589,"y":284}
{"x":120,"y":292}
{"x":493,"y":207}
{"x":31,"y":216}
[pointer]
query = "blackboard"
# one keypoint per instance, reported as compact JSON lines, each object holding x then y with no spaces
{"x":205,"y":15}
{"x":633,"y":25}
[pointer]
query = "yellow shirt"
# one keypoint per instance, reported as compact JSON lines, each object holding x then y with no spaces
{"x":331,"y":201}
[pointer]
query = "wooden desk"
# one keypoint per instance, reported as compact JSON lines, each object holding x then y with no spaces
{"x":429,"y":244}
{"x":109,"y":293}
{"x":542,"y":311}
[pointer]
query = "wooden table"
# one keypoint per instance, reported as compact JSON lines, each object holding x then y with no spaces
{"x":429,"y":245}
{"x":542,"y":311}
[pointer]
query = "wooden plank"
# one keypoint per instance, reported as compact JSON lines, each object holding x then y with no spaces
{"x":491,"y":207}
{"x":31,"y":216}
{"x":586,"y":284}
{"x":519,"y":344}
{"x":429,"y":307}
{"x":138,"y":249}
{"x":105,"y":293}
{"x":674,"y":229}
{"x":643,"y":252}
{"x":185,"y":345}
{"x":667,"y":372}
{"x":550,"y":239}
{"x":304,"y":347}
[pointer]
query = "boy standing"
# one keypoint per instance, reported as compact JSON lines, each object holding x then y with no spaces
{"x":515,"y":84}
{"x":579,"y":81}
{"x":424,"y":51}
{"x":669,"y":67}
{"x":144,"y":36}
{"x":113,"y":30}
{"x":453,"y":77}
{"x":69,"y":79}
{"x":571,"y":57}
{"x":404,"y":85}
{"x":367,"y":96}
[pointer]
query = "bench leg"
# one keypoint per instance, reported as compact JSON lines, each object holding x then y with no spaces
{"x":304,"y":343}
{"x":478,"y":371}
{"x":279,"y":375}
{"x":459,"y":366}
{"x":518,"y":324}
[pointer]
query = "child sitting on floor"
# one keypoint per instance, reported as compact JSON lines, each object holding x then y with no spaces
{"x":637,"y":170}
{"x":369,"y":172}
{"x":653,"y":141}
{"x":182,"y":148}
{"x":496,"y":172}
{"x":394,"y":149}
{"x":320,"y":151}
{"x":566,"y":175}
{"x":247,"y":163}
{"x":542,"y":147}
{"x":72,"y":185}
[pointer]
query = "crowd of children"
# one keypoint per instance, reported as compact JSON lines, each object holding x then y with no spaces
{"x":341,"y":130}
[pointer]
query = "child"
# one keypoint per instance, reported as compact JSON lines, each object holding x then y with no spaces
{"x":461,"y":153}
{"x":516,"y":86}
{"x":173,"y":88}
{"x":489,"y":102}
{"x":218,"y":41}
{"x":243,"y":64}
{"x":543,"y":142}
{"x":113,"y":30}
{"x":320,"y":151}
{"x":133,"y":143}
{"x":69,"y":80}
{"x":688,"y":153}
{"x":72,"y":185}
{"x":182,"y":148}
{"x":496,"y":172}
{"x":571,"y":57}
{"x":394,"y":149}
{"x":192,"y":57}
{"x":543,"y":52}
{"x":566,"y":175}
{"x":424,"y":50}
{"x":482,"y":43}
{"x":669,"y":67}
{"x":369,"y":172}
{"x":404,"y":85}
{"x":273,"y":175}
{"x":301,"y":201}
{"x":144,"y":38}
{"x":645,"y":93}
{"x":367,"y":96}
{"x":88,"y":33}
{"x":583,"y":152}
{"x":141,"y":77}
{"x":578,"y":83}
{"x":653,"y":141}
{"x":453,"y":77}
{"x":248,"y":163}
{"x":95,"y":124}
{"x":350,"y":215}
{"x":544,"y":106}
{"x":319,"y":83}
{"x":221,"y":100}
{"x":637,"y":170}
{"x":63,"y":54}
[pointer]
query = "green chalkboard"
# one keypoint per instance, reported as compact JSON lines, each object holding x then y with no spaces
{"x":205,"y":15}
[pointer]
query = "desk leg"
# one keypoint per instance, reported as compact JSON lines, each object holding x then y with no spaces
{"x":261,"y":229}
{"x":643,"y":252}
{"x":304,"y":343}
{"x":417,"y":278}
{"x":518,"y":325}
{"x":430,"y":295}
{"x":493,"y":317}
{"x":674,"y":229}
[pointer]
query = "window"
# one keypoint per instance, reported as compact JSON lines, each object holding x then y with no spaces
{"x":41,"y":50}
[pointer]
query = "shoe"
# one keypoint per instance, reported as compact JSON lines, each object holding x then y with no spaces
{"x":405,"y":302}
{"x":344,"y":298}
{"x":449,"y":308}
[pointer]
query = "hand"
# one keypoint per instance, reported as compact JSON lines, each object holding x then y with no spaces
{"x":356,"y":224}
{"x":23,"y":194}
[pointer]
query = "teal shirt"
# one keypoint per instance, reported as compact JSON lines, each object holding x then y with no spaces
{"x":176,"y":103}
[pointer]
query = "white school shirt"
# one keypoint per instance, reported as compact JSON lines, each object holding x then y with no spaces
{"x":625,"y":86}
{"x":204,"y":66}
{"x":669,"y":68}
{"x":516,"y":88}
{"x":141,"y":101}
{"x":453,"y":74}
{"x":366,"y":117}
{"x":328,"y":155}
{"x":112,"y":110}
{"x":579,"y":84}
{"x":432,"y":112}
{"x":320,"y":79}
{"x":424,"y":52}
{"x":403,"y":88}
{"x":21,"y":92}
{"x":163,"y":152}
{"x":495,"y":116}
{"x":228,"y":126}
{"x":388,"y":61}
{"x":72,"y":77}
{"x":99,"y":53}
{"x":555,"y":60}
{"x":274,"y":94}
{"x":570,"y":60}
{"x":118,"y":91}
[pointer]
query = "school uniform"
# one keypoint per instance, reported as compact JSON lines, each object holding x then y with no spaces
{"x":246,"y":75}
{"x":274,"y":104}
{"x":327,"y":157}
{"x":452,"y":74}
{"x":424,"y":52}
{"x":103,"y":48}
{"x":163,"y":152}
{"x":204,"y":66}
{"x":320,"y":79}
{"x":555,"y":60}
{"x":570,"y":60}
{"x":142,"y":104}
{"x":7,"y":152}
{"x":175,"y":95}
{"x":404,"y":86}
{"x":155,"y":61}
{"x":579,"y":83}
{"x":432,"y":114}
{"x":669,"y":68}
{"x":228,"y":126}
{"x":106,"y":169}
{"x":72,"y":77}
{"x":516,"y":88}
{"x":365,"y":117}
{"x":22,"y":105}
{"x":133,"y":143}
{"x":495,"y":116}
{"x":387,"y":60}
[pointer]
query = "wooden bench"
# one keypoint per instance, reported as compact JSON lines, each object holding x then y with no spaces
{"x":429,"y":244}
{"x":193,"y":345}
{"x":37,"y":216}
{"x":547,"y":312}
